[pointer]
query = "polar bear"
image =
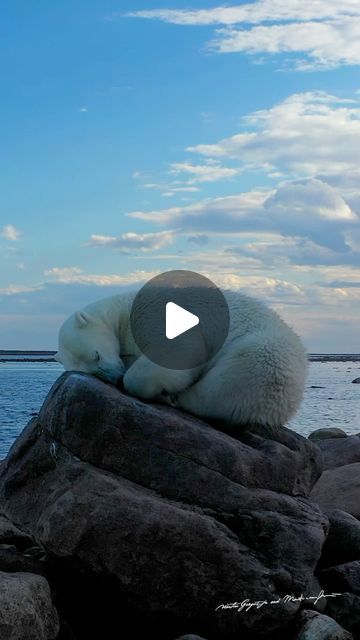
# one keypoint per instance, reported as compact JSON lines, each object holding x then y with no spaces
{"x":257,"y":377}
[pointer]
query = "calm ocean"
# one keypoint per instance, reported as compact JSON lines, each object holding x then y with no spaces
{"x":24,"y":385}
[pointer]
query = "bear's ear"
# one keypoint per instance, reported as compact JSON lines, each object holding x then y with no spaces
{"x":57,"y":357}
{"x":82,"y":319}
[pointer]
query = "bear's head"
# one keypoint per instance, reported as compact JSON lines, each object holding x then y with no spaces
{"x":87,"y":344}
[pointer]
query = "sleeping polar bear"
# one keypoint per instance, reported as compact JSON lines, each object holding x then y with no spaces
{"x":257,"y":377}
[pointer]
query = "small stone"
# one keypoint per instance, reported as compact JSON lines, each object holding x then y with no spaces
{"x":190,"y":637}
{"x":326,"y":433}
{"x":317,"y":626}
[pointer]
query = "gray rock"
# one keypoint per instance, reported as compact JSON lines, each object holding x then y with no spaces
{"x":145,"y":496}
{"x":315,"y":588}
{"x":190,"y":637}
{"x":343,"y":541}
{"x":339,"y":489}
{"x":337,"y":452}
{"x":344,"y":577}
{"x":10,"y":534}
{"x":316,"y":626}
{"x":356,"y":381}
{"x":326,"y":433}
{"x":13,"y":560}
{"x":26,"y":610}
{"x":278,"y":459}
{"x":345,"y":609}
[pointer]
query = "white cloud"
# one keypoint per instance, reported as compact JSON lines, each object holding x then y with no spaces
{"x":131,"y":242}
{"x":308,"y":208}
{"x":219,"y":215}
{"x":170,"y":189}
{"x":184,"y":189}
{"x":326,"y":32}
{"x":298,"y":253}
{"x":310,"y":198}
{"x":11,"y":233}
{"x":255,"y":12}
{"x":311,"y":141}
{"x":15,"y":289}
{"x":306,"y":134}
{"x":188,"y":175}
{"x":324,"y":44}
{"x":75,"y":275}
{"x":324,"y":314}
{"x":312,"y":134}
{"x":272,"y":289}
{"x":212,"y":171}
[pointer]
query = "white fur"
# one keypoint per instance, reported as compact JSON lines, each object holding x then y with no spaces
{"x":257,"y":377}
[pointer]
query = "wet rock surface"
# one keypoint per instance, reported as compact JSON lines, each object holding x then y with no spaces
{"x":325,"y":434}
{"x":315,"y":626}
{"x":338,"y":452}
{"x":26,"y":609}
{"x":141,"y":513}
{"x":343,"y":540}
{"x":339,"y":488}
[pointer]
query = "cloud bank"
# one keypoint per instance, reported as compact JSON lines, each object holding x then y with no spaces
{"x":321,"y":33}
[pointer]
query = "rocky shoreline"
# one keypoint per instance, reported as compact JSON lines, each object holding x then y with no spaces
{"x":119,"y":514}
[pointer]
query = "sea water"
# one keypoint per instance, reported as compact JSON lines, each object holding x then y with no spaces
{"x":335,"y":402}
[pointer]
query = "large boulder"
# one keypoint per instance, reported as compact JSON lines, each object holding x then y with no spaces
{"x":344,"y":577}
{"x":345,"y":609}
{"x":26,"y":609}
{"x":173,"y":516}
{"x":342,"y":544}
{"x":339,"y":489}
{"x":114,"y":431}
{"x":338,"y":452}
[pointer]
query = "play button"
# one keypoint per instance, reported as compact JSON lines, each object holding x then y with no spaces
{"x":179,"y":319}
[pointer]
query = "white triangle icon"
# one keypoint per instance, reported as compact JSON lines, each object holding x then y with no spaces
{"x":178,"y":320}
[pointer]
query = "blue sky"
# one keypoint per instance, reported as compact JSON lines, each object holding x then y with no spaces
{"x":222,"y":139}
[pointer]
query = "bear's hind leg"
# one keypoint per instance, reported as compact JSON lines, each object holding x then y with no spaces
{"x":261,"y":382}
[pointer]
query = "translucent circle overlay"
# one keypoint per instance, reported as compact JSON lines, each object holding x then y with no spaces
{"x":197,"y":295}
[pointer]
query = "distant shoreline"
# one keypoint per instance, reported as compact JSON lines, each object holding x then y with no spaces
{"x":48,"y":356}
{"x":14,"y":355}
{"x":334,"y":357}
{"x":15,"y":352}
